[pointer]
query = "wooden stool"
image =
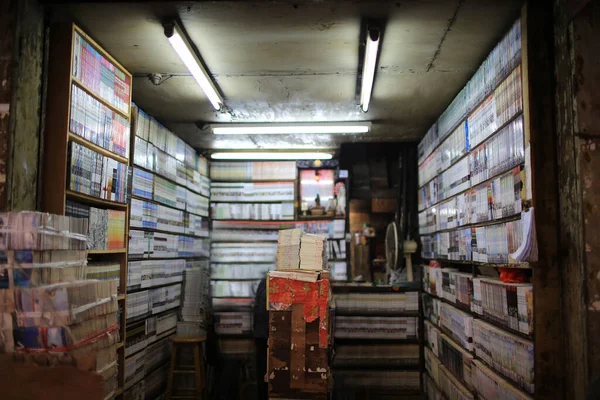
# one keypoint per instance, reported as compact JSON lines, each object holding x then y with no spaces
{"x":197,"y":368}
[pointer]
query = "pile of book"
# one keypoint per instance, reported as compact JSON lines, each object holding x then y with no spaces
{"x":46,"y":303}
{"x":299,"y":250}
{"x":195,"y":293}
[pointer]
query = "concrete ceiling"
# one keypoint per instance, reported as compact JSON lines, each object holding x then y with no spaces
{"x":286,"y":61}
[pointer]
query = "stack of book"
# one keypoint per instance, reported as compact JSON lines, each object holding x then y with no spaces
{"x":252,"y":192}
{"x":233,"y":288}
{"x":195,"y":288}
{"x":299,"y":250}
{"x":47,"y":302}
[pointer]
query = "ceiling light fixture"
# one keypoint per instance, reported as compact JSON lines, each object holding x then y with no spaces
{"x":368,"y":73}
{"x":184,"y":49}
{"x":286,"y":129}
{"x":271,"y":156}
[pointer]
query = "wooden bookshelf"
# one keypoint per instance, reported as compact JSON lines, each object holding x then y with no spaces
{"x":58,"y":137}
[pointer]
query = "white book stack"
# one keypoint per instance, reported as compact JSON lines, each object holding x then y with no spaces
{"x":312,"y":252}
{"x":288,"y":249}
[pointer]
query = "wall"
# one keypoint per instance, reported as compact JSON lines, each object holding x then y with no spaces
{"x":577,"y":31}
{"x":22,"y":42}
{"x":7,"y":19}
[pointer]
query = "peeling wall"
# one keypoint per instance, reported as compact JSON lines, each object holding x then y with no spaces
{"x":7,"y":17}
{"x":26,"y":100}
{"x":578,"y":132}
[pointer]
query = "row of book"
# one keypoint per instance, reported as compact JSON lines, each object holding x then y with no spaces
{"x":243,"y":252}
{"x":233,"y":288}
{"x":499,"y":63}
{"x":147,"y":215}
{"x":144,"y":244}
{"x":486,"y":244}
{"x":97,"y":123}
{"x":253,"y":171}
{"x":223,"y":234}
{"x":507,"y":355}
{"x":141,"y":368}
{"x":504,"y":103}
{"x":507,"y":304}
{"x":386,"y":355}
{"x":333,"y":229}
{"x":148,"y":157}
{"x":96,"y":175}
{"x":224,"y":271}
{"x":150,"y":131}
{"x":253,"y":211}
{"x":451,"y":149}
{"x":149,"y":186}
{"x":442,"y":383}
{"x":365,"y":327}
{"x":501,"y":197}
{"x":153,"y":301}
{"x":140,"y":334}
{"x":252,"y":191}
{"x":499,"y":153}
{"x":106,"y":226}
{"x":99,"y":270}
{"x":100,"y":75}
{"x":336,"y":249}
{"x":233,"y":323}
{"x":348,"y":381}
{"x":377,"y":303}
{"x":150,"y":273}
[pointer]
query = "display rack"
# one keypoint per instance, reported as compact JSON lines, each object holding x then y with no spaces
{"x":87,"y":124}
{"x":169,"y":250}
{"x":475,"y":182}
{"x":374,"y":354}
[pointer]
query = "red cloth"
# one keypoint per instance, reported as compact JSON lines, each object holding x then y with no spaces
{"x":314,"y":296}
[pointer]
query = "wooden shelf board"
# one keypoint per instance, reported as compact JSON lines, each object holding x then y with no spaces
{"x":112,"y":251}
{"x":99,"y":149}
{"x":95,"y":200}
{"x":121,"y":297}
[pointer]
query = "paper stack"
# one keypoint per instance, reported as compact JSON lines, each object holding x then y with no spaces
{"x":288,"y":249}
{"x":299,"y":250}
{"x":312,"y":252}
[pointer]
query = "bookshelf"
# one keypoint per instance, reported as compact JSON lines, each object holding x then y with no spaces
{"x":391,"y":318}
{"x":86,"y":151}
{"x":474,"y":186}
{"x":169,"y":248}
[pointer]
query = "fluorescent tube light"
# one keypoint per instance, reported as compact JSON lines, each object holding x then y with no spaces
{"x":368,"y":73}
{"x":271,"y":156}
{"x":286,"y":129}
{"x":186,"y":52}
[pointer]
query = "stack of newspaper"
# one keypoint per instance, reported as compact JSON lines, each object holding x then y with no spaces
{"x":299,"y":250}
